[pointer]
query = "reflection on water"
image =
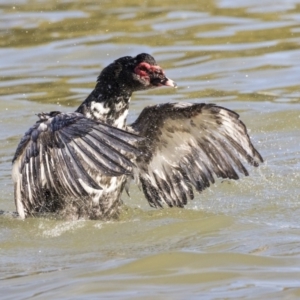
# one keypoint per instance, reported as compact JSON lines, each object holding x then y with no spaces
{"x":236,"y":239}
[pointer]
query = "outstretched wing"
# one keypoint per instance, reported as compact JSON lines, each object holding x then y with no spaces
{"x":62,"y":154}
{"x":187,"y":146}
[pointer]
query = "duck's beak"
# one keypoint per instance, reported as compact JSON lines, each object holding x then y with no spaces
{"x":168,"y":82}
{"x":159,"y":79}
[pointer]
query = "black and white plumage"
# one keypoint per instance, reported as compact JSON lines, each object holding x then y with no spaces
{"x":187,"y":146}
{"x":61,"y":155}
{"x":183,"y":146}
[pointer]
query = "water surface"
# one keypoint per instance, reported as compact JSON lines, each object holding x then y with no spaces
{"x":237,"y":240}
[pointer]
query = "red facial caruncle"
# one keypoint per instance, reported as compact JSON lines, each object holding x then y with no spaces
{"x":143,"y":69}
{"x":153,"y":74}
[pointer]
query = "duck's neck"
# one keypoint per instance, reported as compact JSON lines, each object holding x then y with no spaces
{"x":108,"y":104}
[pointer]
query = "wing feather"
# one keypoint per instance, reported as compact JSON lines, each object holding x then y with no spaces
{"x":189,"y":145}
{"x":60,"y":157}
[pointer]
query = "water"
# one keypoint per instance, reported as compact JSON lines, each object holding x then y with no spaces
{"x":237,"y":240}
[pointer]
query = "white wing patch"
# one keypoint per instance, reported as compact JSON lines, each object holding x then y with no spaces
{"x":182,"y":105}
{"x":95,"y":194}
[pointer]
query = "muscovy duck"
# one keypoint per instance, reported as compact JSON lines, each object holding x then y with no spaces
{"x":80,"y":162}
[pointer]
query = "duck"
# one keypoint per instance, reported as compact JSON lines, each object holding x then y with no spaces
{"x":80,"y":163}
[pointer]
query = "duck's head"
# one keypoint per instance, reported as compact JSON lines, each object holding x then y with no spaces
{"x":134,"y":73}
